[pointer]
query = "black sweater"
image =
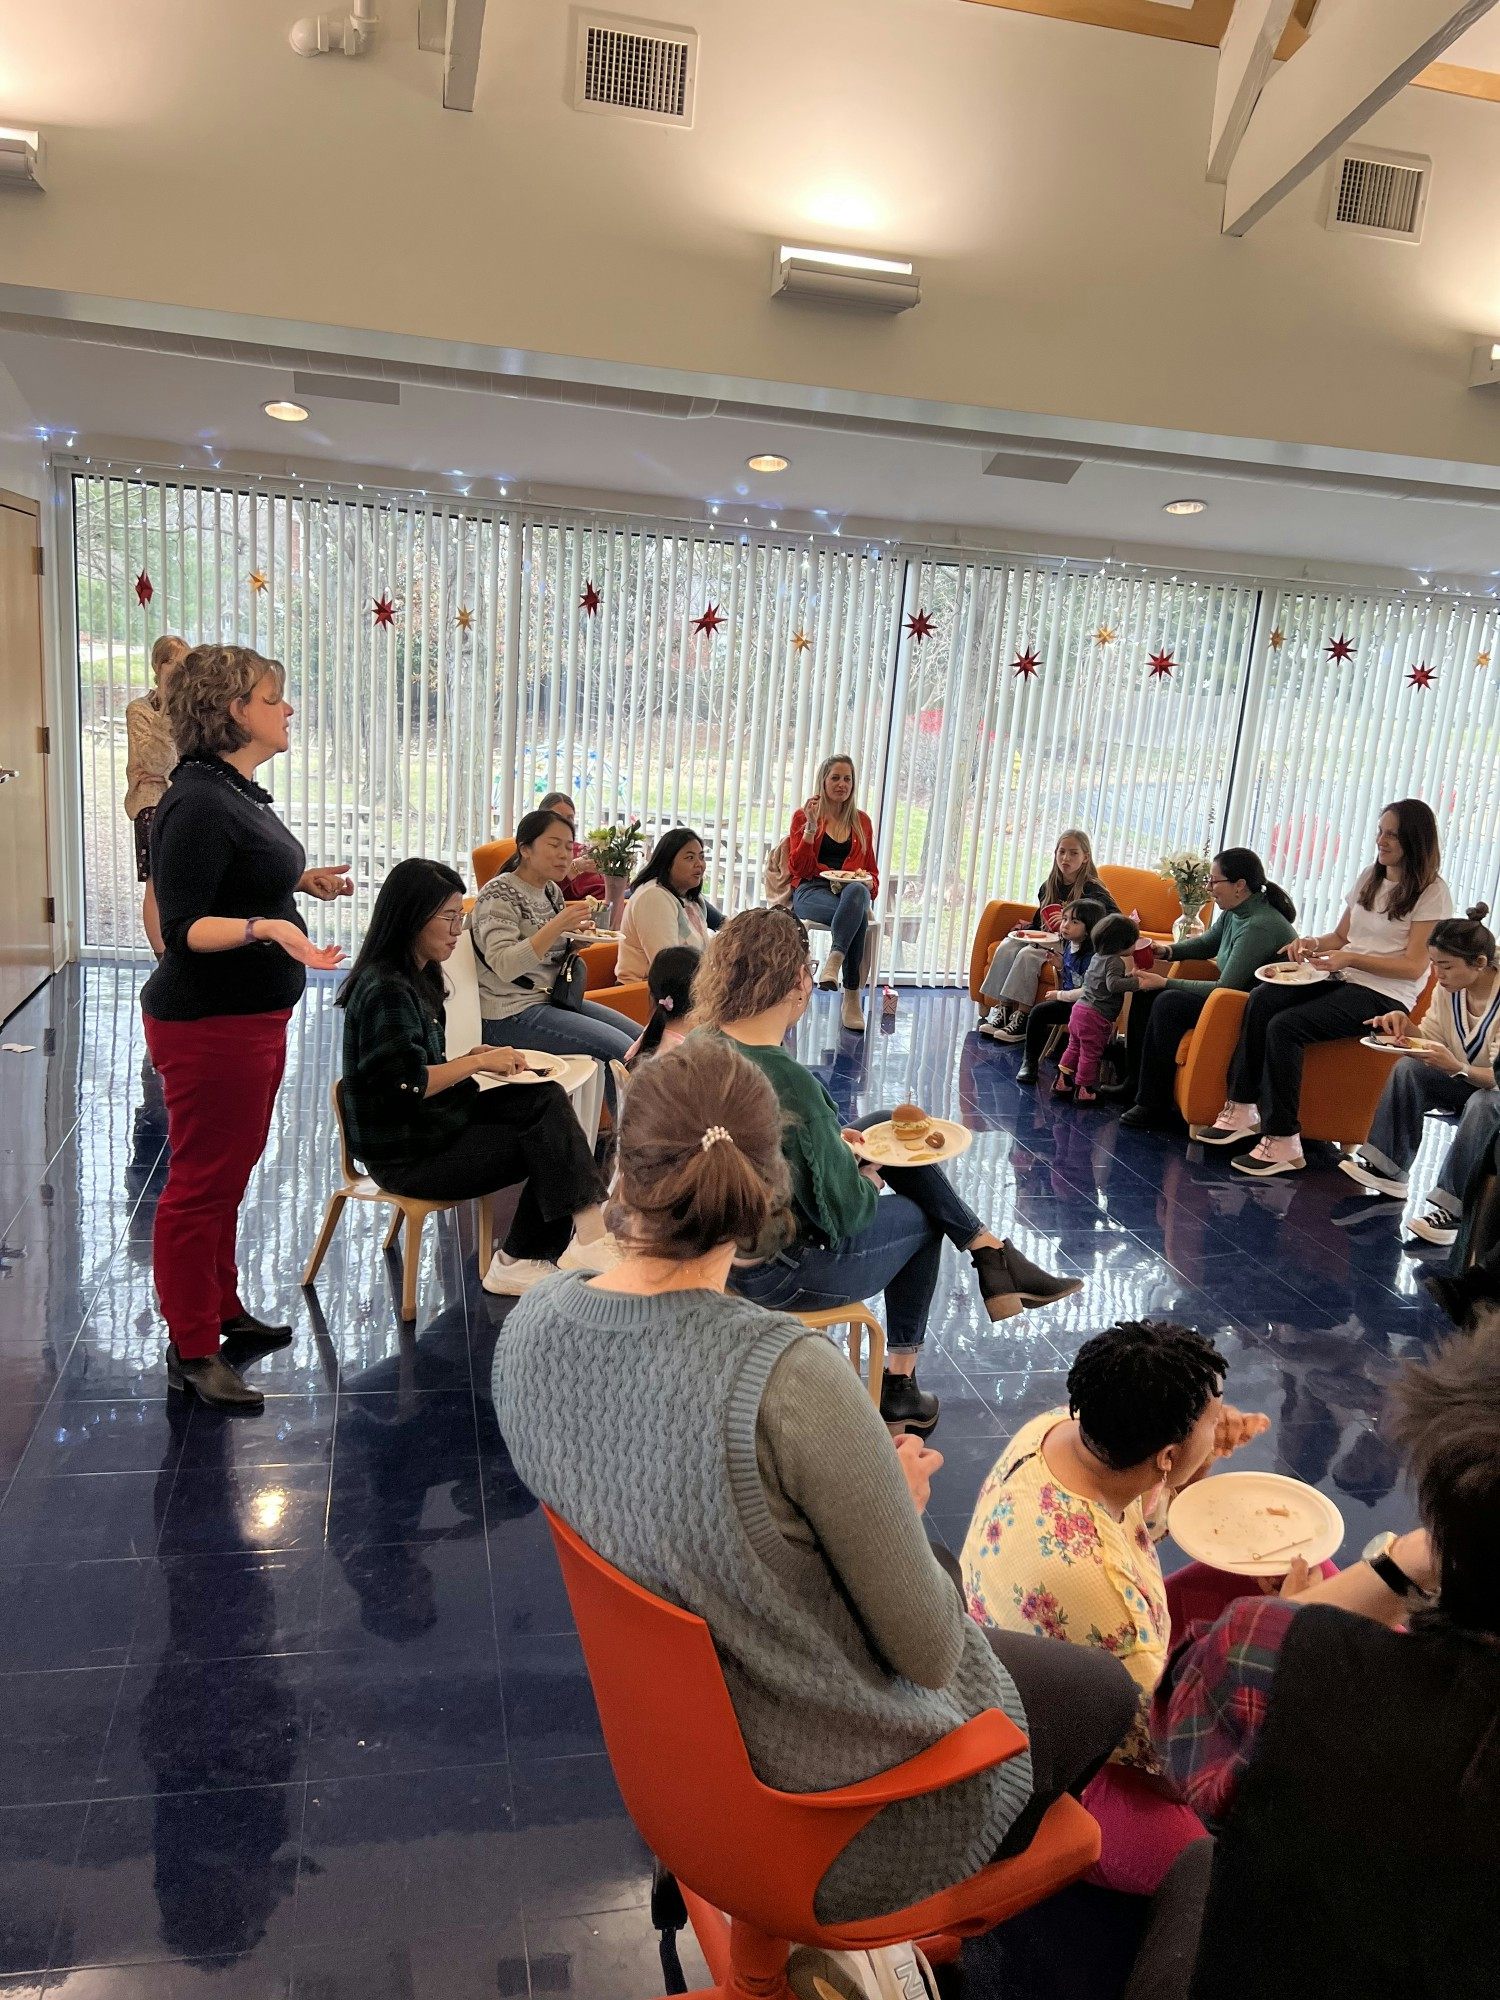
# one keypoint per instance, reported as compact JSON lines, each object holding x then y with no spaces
{"x":218,"y":850}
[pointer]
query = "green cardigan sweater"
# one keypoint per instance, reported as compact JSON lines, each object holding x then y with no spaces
{"x":1241,"y":941}
{"x":832,"y":1199}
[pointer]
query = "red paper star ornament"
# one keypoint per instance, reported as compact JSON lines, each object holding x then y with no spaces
{"x":1161,"y":666}
{"x":591,"y":599}
{"x":1339,"y":650}
{"x":919,"y":626}
{"x":710,"y":621}
{"x":1026,"y":664}
{"x":1421,"y":676}
{"x":385,"y":611}
{"x":143,"y":590}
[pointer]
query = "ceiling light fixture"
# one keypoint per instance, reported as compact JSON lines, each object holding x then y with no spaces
{"x":285,"y":413}
{"x":768,"y":461}
{"x":844,"y":277}
{"x":1186,"y":507}
{"x":23,"y":157}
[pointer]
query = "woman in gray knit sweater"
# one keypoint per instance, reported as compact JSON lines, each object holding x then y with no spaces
{"x":728,"y":1459}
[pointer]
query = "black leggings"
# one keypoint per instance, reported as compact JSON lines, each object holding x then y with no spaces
{"x":1040,"y":1022}
{"x":526,"y":1132}
{"x":1154,"y":1065}
{"x":1280,"y":1023}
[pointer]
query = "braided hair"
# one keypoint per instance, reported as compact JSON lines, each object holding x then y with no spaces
{"x":1140,"y":1388}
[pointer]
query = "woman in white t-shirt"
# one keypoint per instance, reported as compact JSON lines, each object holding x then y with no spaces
{"x":1378,"y":961}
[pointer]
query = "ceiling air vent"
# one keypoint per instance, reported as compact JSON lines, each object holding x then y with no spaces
{"x":1376,"y":193}
{"x":635,"y":69}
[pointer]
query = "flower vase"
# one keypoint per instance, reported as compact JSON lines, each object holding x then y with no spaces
{"x":614,"y":889}
{"x":1187,"y":927}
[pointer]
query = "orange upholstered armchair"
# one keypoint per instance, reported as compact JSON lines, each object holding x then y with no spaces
{"x":632,"y":999}
{"x":1132,"y":888}
{"x":490,"y":858}
{"x":1341,"y":1082}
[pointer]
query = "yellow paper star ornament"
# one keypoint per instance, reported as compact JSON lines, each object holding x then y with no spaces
{"x":1483,"y":660}
{"x":258,"y":579}
{"x":1105,"y":635}
{"x":465,"y":619}
{"x":800,"y":642}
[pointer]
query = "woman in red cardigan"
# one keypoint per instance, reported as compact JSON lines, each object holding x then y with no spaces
{"x":832,"y":837}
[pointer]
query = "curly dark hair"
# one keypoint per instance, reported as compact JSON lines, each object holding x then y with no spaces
{"x":1444,"y":1418}
{"x":1140,"y":1388}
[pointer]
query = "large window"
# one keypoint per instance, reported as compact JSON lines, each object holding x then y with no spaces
{"x":449,"y":664}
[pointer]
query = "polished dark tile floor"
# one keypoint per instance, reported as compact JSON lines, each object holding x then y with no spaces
{"x":294,"y":1706}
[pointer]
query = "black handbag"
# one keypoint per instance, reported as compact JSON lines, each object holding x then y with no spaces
{"x":570,"y":985}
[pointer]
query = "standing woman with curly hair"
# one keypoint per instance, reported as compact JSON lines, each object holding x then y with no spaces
{"x":233,"y":967}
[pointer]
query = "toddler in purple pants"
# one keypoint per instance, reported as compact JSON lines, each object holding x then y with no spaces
{"x":1111,"y":975}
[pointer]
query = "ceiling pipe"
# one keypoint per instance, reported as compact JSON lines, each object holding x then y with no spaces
{"x":350,"y":34}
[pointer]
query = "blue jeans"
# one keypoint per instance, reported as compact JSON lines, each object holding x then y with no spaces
{"x":846,"y":914}
{"x":559,"y":1031}
{"x":898,"y":1254}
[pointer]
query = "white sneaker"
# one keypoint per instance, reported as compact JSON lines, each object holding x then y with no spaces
{"x":508,"y":1277}
{"x":602,"y":1254}
{"x":1354,"y":1165}
{"x":1436,"y":1225}
{"x":833,"y":965}
{"x":1235,"y":1121}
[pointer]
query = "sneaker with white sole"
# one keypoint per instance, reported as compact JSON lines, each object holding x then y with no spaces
{"x":1359,"y":1169}
{"x":1271,"y":1157}
{"x":1436,"y":1225}
{"x":508,"y":1277}
{"x":1235,"y":1121}
{"x":602,"y":1254}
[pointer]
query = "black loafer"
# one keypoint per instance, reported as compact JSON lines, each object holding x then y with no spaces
{"x":247,"y":1338}
{"x":902,"y":1402}
{"x":1026,"y":1073}
{"x":214,"y":1382}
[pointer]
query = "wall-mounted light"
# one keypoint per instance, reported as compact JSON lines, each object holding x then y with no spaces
{"x":1186,"y":507}
{"x":1484,"y":364}
{"x":285,"y":413}
{"x":844,"y":277}
{"x":768,"y":461}
{"x":23,"y":157}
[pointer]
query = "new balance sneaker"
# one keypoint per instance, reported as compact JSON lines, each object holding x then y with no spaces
{"x":509,"y":1277}
{"x":1271,"y":1157}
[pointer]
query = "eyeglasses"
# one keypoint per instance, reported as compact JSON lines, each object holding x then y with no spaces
{"x":455,"y":924}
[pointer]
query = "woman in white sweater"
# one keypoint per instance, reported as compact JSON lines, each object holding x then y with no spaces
{"x":666,"y":904}
{"x":1451,"y":1069}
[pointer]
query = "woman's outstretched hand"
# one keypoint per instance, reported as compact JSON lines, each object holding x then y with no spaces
{"x":297,"y":944}
{"x":327,"y":884}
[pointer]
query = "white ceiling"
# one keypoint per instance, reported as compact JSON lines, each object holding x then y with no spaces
{"x":203,"y":409}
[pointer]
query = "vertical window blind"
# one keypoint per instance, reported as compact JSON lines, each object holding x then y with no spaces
{"x":449,"y":663}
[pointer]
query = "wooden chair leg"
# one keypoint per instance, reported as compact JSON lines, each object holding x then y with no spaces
{"x":411,"y":1263}
{"x":398,"y":1216}
{"x":877,"y":1361}
{"x":325,"y":1236}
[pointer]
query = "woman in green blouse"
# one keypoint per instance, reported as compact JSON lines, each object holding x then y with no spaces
{"x":421,"y":1124}
{"x":753,"y":985}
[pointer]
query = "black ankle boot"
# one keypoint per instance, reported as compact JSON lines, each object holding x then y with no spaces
{"x":1027,"y":1073}
{"x":247,"y":1338}
{"x":996,"y":1285}
{"x":214,"y":1382}
{"x":1031,"y":1284}
{"x":902,"y":1402}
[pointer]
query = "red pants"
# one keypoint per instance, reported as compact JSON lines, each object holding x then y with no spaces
{"x":220,"y":1077}
{"x":1089,"y":1035}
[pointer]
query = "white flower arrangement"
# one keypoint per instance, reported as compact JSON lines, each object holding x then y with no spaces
{"x":1189,"y":873}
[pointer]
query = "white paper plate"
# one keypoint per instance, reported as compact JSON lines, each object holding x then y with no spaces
{"x":883,"y":1149}
{"x":1225,"y":1521}
{"x":596,"y":937}
{"x":1037,"y":937}
{"x":551,"y":1069}
{"x":840,"y":875}
{"x":1292,"y":975}
{"x":1414,"y":1048}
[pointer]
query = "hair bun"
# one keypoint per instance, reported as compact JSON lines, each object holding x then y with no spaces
{"x":1477,"y":912}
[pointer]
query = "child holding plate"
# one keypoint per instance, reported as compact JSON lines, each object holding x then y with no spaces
{"x":1450,"y":1067}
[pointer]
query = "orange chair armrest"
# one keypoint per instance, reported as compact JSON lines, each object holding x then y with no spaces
{"x":988,"y":1739}
{"x":997,"y":921}
{"x":1193,"y":968}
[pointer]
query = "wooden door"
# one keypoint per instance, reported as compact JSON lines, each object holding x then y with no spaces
{"x":25,"y":887}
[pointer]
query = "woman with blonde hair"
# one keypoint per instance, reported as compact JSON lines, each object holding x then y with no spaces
{"x":1014,"y":977}
{"x":755,"y":982}
{"x":733,"y":1465}
{"x":831,"y":836}
{"x":234,"y":965}
{"x":149,"y":756}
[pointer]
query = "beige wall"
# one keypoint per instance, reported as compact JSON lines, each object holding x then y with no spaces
{"x":1048,"y":178}
{"x":22,"y":467}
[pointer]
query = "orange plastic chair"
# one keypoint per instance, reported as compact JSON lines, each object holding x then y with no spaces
{"x":749,"y":1859}
{"x":490,"y":858}
{"x":1341,"y":1081}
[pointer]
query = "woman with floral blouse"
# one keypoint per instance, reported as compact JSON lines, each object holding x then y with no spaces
{"x":1063,"y":1544}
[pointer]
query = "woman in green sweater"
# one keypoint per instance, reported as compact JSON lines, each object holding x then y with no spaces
{"x":728,"y":1460}
{"x":753,"y":986}
{"x":1255,"y":920}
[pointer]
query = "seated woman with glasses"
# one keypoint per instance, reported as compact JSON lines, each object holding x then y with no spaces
{"x":754,"y":984}
{"x":521,"y":925}
{"x":421,"y":1124}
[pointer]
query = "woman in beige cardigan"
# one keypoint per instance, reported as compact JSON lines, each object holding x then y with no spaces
{"x":149,"y":757}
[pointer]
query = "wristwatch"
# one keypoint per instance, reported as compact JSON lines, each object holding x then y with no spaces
{"x":1377,"y":1553}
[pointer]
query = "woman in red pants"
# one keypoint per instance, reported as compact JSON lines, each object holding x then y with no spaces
{"x":216,"y":1007}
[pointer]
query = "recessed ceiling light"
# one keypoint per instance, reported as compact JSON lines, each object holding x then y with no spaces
{"x":286,"y":413}
{"x":768,"y":461}
{"x":1185,"y":507}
